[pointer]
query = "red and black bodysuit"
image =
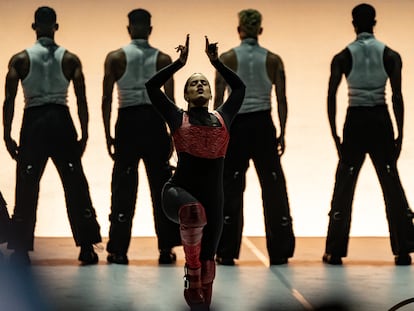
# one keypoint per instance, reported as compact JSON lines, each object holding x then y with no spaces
{"x":201,"y":139}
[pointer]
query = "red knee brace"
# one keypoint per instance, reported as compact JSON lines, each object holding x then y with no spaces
{"x":192,"y":219}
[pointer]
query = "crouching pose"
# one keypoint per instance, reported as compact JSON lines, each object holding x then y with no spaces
{"x":193,"y":197}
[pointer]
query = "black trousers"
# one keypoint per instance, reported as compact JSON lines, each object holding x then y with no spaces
{"x":48,"y":132}
{"x":253,"y":137}
{"x":140,"y":133}
{"x":369,"y":131}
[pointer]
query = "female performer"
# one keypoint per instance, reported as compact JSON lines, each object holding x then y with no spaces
{"x":193,"y":197}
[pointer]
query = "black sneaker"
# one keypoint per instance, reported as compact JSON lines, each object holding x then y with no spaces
{"x":278,"y":261}
{"x":225,"y":261}
{"x":167,"y":257}
{"x":332,"y":260}
{"x":88,"y":256}
{"x":402,"y":260}
{"x":120,"y":259}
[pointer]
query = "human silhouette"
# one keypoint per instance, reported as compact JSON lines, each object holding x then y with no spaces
{"x":253,"y":137}
{"x":140,"y":134}
{"x":367,"y":64}
{"x":45,"y":71}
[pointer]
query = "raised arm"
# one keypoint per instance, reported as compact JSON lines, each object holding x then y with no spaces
{"x":233,"y":103}
{"x":164,"y":60}
{"x":158,"y":98}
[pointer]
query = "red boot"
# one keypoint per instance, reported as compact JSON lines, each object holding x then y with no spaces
{"x":208,"y":273}
{"x":192,"y":221}
{"x":193,"y":292}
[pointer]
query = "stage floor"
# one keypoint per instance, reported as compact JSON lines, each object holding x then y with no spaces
{"x":368,"y":280}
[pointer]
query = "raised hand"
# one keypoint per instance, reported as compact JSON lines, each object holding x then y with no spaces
{"x":183,"y":49}
{"x":211,"y":50}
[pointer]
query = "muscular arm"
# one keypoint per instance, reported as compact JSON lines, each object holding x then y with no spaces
{"x":276,"y":73}
{"x":338,"y":65}
{"x":114,"y":67}
{"x":17,"y":70}
{"x":163,"y":61}
{"x":159,"y":99}
{"x":72,"y":68}
{"x":393,"y":66}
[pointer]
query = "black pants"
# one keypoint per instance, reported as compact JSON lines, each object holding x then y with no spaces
{"x":253,"y":136}
{"x":140,"y":133}
{"x":368,"y":131}
{"x":48,"y":132}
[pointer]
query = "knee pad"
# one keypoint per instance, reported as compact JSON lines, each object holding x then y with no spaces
{"x":192,"y":219}
{"x":192,"y":215}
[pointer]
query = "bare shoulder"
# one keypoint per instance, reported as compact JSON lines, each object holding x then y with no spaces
{"x":18,"y":59}
{"x":229,"y":58}
{"x":392,"y":55}
{"x":71,"y":59}
{"x":341,"y":57}
{"x":274,"y":58}
{"x":115,"y":56}
{"x":20,"y":63}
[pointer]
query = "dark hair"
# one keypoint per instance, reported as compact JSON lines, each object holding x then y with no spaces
{"x":45,"y":15}
{"x":187,"y":83}
{"x":139,"y":17}
{"x":250,"y":21}
{"x":363,"y":15}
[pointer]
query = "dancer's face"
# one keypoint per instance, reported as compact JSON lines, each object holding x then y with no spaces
{"x":198,"y":91}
